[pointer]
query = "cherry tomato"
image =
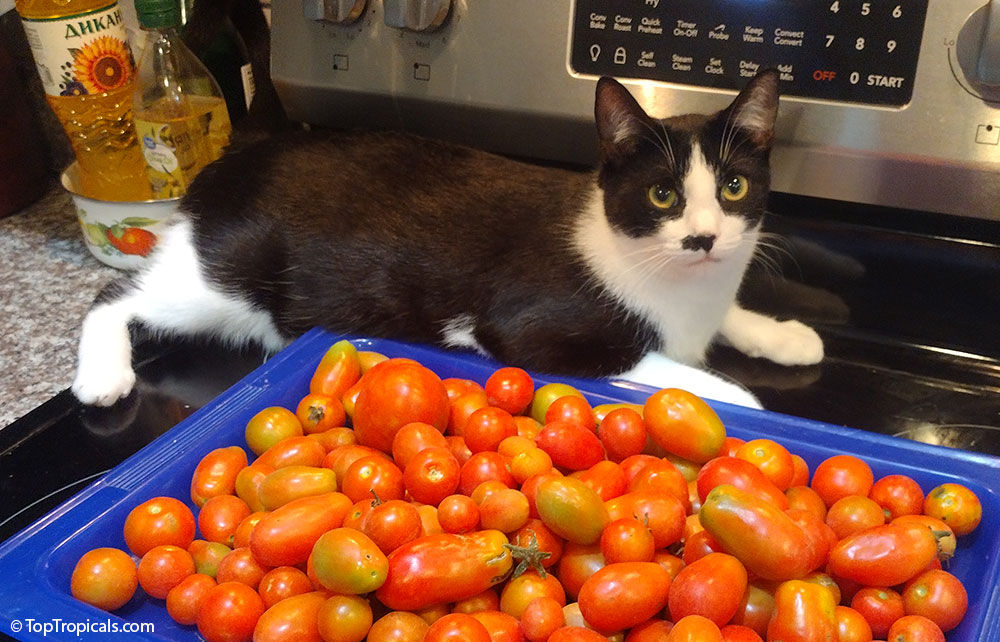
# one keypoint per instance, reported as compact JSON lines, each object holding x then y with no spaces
{"x":606,"y":478}
{"x":662,"y":513}
{"x":627,"y":540}
{"x":712,"y":587}
{"x":184,"y":600}
{"x":271,"y":425}
{"x":737,"y":633}
{"x":105,"y":578}
{"x":220,"y":516}
{"x":294,"y":482}
{"x":216,"y":474}
{"x":347,"y":561}
{"x":803,"y":612}
{"x":653,"y":630}
{"x":740,"y":474}
{"x":435,"y":569}
{"x":699,"y":545}
{"x":338,"y":436}
{"x":162,"y":568}
{"x":897,"y":495}
{"x":344,"y":618}
{"x":241,"y":566}
{"x":373,"y":476}
{"x":293,"y":451}
{"x":462,"y":408}
{"x":939,"y":596}
{"x":319,"y":413}
{"x":412,"y":438}
{"x":458,"y":514}
{"x":241,"y":538}
{"x":915,"y":628}
{"x":622,"y":595}
{"x":279,"y":583}
{"x":755,"y":609}
{"x":248,"y":484}
{"x":486,"y":427}
{"x":622,"y":433}
{"x":285,"y":537}
{"x":338,"y":370}
{"x":852,"y":626}
{"x":683,"y":424}
{"x":398,"y":626}
{"x":840,"y":476}
{"x":207,"y":555}
{"x":694,"y":628}
{"x":854,"y":513}
{"x":541,"y":618}
{"x":484,"y":466}
{"x":229,"y":613}
{"x":661,"y":476}
{"x":947,"y":542}
{"x":771,"y":458}
{"x":570,"y":446}
{"x":394,"y":394}
{"x":393,"y":523}
{"x":545,"y":395}
{"x":294,"y":619}
{"x":805,"y":498}
{"x":158,"y":521}
{"x":800,"y":476}
{"x":880,"y":607}
{"x":457,"y":627}
{"x":506,"y":511}
{"x":955,"y":505}
{"x":574,"y":409}
{"x":884,"y":555}
{"x":571,"y":509}
{"x":500,"y":626}
{"x":530,"y":462}
{"x":520,"y":591}
{"x":511,"y":389}
{"x":340,"y":459}
{"x":488,"y":600}
{"x":578,"y":563}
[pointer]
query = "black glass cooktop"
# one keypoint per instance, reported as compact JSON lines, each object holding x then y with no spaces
{"x":908,"y":305}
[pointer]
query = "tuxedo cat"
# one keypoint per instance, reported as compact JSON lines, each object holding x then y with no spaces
{"x":390,"y":235}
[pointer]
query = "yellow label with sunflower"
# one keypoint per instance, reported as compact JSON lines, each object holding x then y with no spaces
{"x":86,"y":53}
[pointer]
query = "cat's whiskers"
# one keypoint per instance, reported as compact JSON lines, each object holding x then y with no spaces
{"x":662,"y":143}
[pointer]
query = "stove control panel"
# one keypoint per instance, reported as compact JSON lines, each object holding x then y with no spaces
{"x":846,"y":50}
{"x":886,"y":102}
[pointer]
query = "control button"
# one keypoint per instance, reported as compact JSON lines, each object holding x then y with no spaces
{"x":749,"y":68}
{"x":421,"y":71}
{"x":681,"y":63}
{"x":647,"y":59}
{"x":598,"y":21}
{"x":416,"y":15}
{"x":623,"y":23}
{"x":753,"y":35}
{"x":686,"y":29}
{"x":341,"y":12}
{"x":988,"y":135}
{"x":341,"y":62}
{"x":595,"y":52}
{"x":650,"y":26}
{"x":824,"y":75}
{"x":718,"y":32}
{"x":620,"y":56}
{"x":714,"y":67}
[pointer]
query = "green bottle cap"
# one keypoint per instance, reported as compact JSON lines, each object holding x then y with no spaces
{"x":156,"y":14}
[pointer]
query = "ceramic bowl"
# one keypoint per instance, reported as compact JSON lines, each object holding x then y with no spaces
{"x":119,"y":233}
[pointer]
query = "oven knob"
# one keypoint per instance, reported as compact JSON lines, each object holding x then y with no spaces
{"x":341,"y":12}
{"x":416,"y":15}
{"x":978,"y":50}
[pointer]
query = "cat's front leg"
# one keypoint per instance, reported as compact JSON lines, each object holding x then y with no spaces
{"x":104,"y":365}
{"x":790,"y":343}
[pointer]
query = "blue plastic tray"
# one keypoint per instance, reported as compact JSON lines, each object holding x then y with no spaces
{"x":35,"y":564}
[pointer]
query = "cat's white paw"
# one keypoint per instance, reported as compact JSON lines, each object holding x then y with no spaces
{"x":102,"y":384}
{"x":790,"y":343}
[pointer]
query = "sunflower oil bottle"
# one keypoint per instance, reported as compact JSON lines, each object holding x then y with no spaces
{"x":83,"y":56}
{"x":180,"y":115}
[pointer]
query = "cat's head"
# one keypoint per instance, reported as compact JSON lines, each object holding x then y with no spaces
{"x":695,"y":186}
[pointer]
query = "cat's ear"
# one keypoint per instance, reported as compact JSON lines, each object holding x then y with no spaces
{"x":620,"y":119}
{"x":756,"y":108}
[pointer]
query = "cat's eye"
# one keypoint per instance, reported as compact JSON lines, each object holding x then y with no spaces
{"x":735,"y":188}
{"x":662,"y":197}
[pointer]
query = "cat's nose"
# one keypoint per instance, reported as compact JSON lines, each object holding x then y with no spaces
{"x":698,"y":242}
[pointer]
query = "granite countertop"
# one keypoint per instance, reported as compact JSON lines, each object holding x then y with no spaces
{"x":49,"y":280}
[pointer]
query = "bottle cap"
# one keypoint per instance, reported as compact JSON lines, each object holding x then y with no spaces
{"x":156,"y":14}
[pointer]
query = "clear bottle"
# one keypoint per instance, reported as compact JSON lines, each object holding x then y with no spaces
{"x":83,"y":56}
{"x":180,"y":113}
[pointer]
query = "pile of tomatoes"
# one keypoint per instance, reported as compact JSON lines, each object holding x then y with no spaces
{"x":450,"y":510}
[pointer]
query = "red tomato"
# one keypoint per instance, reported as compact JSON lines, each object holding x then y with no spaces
{"x":391,"y":524}
{"x":737,"y":633}
{"x":573,"y":409}
{"x":755,"y":609}
{"x":457,"y":627}
{"x":207,"y":555}
{"x":571,"y":509}
{"x":216,"y":474}
{"x":412,"y":438}
{"x":545,"y":395}
{"x":578,"y":563}
{"x":319,"y":413}
{"x":627,"y":540}
{"x":771,"y":458}
{"x":347,"y":561}
{"x":800,"y":476}
{"x":462,"y":408}
{"x":852,"y":626}
{"x":269,"y":426}
{"x":394,"y":394}
{"x":622,"y":433}
{"x":220,"y":516}
{"x":241,"y":566}
{"x":505,"y":510}
{"x":338,"y":370}
{"x":279,"y":583}
{"x":340,"y":459}
{"x":248,"y":484}
{"x":457,"y":386}
{"x":840,"y":476}
{"x":694,"y":628}
{"x":698,"y":545}
{"x":805,"y":498}
{"x":500,"y":626}
{"x":333,"y":437}
{"x":294,"y":619}
{"x":654,"y":630}
{"x":854,"y":513}
{"x":683,"y":424}
{"x":105,"y":578}
{"x":285,"y":537}
{"x":765,"y":539}
{"x":884,"y":555}
{"x":740,"y":474}
{"x":294,"y":482}
{"x":570,"y":446}
{"x":293,"y":451}
{"x":162,"y":568}
{"x":530,"y":462}
{"x":486,"y":427}
{"x":484,"y":466}
{"x":458,"y":514}
{"x":541,"y":618}
{"x":229,"y":613}
{"x":915,"y":628}
{"x":535,"y":534}
{"x":511,"y":389}
{"x":897,"y":495}
{"x":346,"y":618}
{"x":955,"y":505}
{"x":373,"y":476}
{"x":432,"y":474}
{"x":488,"y":600}
{"x":158,"y":521}
{"x":937,"y":595}
{"x":712,"y":587}
{"x":880,"y":607}
{"x":606,"y":478}
{"x":663,"y":514}
{"x":398,"y":626}
{"x":522,"y":590}
{"x":435,"y":569}
{"x":661,"y":476}
{"x":803,"y":612}
{"x":184,"y":600}
{"x":622,"y":595}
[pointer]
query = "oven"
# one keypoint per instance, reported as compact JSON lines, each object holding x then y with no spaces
{"x":886,"y":187}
